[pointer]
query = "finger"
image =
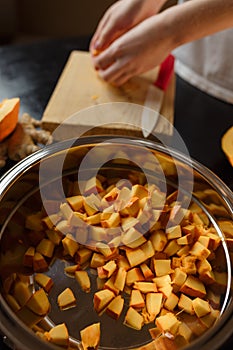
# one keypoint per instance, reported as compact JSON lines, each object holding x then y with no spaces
{"x":109,"y":29}
{"x":117,"y":73}
{"x":122,"y":79}
{"x":107,"y":36}
{"x":94,"y":44}
{"x":105,"y":33}
{"x":102,"y":23}
{"x":104,"y":59}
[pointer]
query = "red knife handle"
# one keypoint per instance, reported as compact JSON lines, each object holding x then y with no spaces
{"x":165,"y":72}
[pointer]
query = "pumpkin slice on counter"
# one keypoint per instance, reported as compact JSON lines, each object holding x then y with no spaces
{"x":227,"y":144}
{"x":9,"y":113}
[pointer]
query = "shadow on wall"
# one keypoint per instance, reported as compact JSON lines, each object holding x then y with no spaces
{"x":53,"y":18}
{"x":8,"y":20}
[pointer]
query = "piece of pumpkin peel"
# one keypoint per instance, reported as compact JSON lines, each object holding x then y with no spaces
{"x":9,"y":113}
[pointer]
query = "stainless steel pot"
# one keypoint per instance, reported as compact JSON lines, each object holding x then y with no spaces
{"x":45,"y":174}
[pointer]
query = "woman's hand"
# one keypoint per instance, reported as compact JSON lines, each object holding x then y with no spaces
{"x":138,"y":50}
{"x":121,"y":17}
{"x":129,"y":46}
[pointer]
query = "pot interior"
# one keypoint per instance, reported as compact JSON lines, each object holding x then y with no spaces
{"x":47,"y":183}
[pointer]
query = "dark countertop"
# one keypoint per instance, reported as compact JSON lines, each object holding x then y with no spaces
{"x":31,"y":73}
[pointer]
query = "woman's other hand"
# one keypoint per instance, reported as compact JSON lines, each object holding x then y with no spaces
{"x":138,"y":50}
{"x":121,"y":17}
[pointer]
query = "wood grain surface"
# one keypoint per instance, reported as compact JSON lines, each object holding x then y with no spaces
{"x":83,"y":103}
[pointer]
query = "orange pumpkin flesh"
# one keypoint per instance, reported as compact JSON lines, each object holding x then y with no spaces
{"x":9,"y":113}
{"x":227,"y":144}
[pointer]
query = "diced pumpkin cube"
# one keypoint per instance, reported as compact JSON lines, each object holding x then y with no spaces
{"x":110,"y":284}
{"x":162,"y":267}
{"x":76,"y":202}
{"x":201,"y":307}
{"x":193,"y":287}
{"x":104,"y":249}
{"x":154,"y":303}
{"x":70,"y":245}
{"x":45,"y":247}
{"x":90,"y":336}
{"x":168,"y":323}
{"x":162,"y":281}
{"x":200,"y":251}
{"x":133,"y":238}
{"x":115,"y":307}
{"x":70,"y":269}
{"x":66,"y":210}
{"x":185,"y":303}
{"x":135,"y":256}
{"x":93,"y":219}
{"x":59,"y":335}
{"x":131,"y":208}
{"x":39,"y":303}
{"x":91,"y":205}
{"x":28,"y":257}
{"x":39,"y":263}
{"x":44,"y":281}
{"x":102,"y":298}
{"x":147,"y":273}
{"x":159,"y":240}
{"x":133,"y":319}
{"x":139,"y":191}
{"x":171,"y":302}
{"x":109,"y":268}
{"x":83,"y":255}
{"x":134,"y":275}
{"x":148,"y":249}
{"x":66,"y":299}
{"x":145,"y":287}
{"x":120,"y":279}
{"x":54,"y":236}
{"x":97,"y":260}
{"x":21,"y":292}
{"x":136,"y":299}
{"x":171,"y":248}
{"x":83,"y":280}
{"x":188,"y":264}
{"x":174,"y":232}
{"x":51,"y":221}
{"x":113,"y":221}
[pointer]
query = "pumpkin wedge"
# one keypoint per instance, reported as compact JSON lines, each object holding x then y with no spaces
{"x":227,"y":144}
{"x":9,"y":112}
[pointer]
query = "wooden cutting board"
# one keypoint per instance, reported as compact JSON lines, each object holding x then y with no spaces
{"x":83,"y":103}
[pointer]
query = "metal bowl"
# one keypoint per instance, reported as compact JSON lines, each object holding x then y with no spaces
{"x":44,"y":176}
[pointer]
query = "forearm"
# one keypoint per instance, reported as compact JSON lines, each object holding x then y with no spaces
{"x":197,"y":18}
